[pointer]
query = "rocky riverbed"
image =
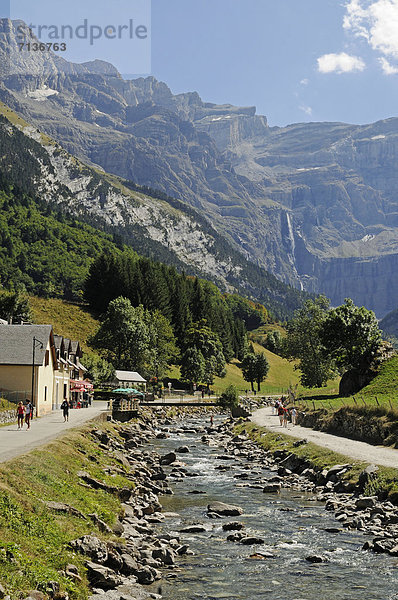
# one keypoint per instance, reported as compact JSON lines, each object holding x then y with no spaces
{"x":291,"y":493}
{"x":241,"y":523}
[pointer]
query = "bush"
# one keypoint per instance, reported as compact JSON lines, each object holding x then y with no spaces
{"x":229,"y":398}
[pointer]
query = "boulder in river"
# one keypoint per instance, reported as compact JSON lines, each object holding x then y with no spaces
{"x":261,"y":556}
{"x":272,"y":488}
{"x":224,"y":510}
{"x":194,"y":529}
{"x":251,"y":541}
{"x":169,"y":458}
{"x":316,"y":558}
{"x":233,"y":526}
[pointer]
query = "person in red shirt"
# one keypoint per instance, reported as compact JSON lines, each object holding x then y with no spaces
{"x":281,"y":412}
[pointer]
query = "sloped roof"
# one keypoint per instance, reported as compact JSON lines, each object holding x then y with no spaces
{"x":129,"y":376}
{"x":68,"y":345}
{"x":76,"y":348}
{"x":58,"y":341}
{"x":16,"y":343}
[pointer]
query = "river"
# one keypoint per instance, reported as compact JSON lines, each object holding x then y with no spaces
{"x":293,"y":525}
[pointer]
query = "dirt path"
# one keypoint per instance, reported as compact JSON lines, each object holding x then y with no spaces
{"x":377,"y":455}
{"x":44,"y":429}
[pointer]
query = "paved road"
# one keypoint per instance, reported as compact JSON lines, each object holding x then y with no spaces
{"x":378,"y":455}
{"x":44,"y":429}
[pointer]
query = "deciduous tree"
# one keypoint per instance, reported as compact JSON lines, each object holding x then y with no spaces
{"x":248,"y":366}
{"x":304,"y":342}
{"x":261,"y":369}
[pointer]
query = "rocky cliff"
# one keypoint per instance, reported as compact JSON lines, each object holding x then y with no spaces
{"x":314,"y":203}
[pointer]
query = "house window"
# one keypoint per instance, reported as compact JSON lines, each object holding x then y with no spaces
{"x":47,"y":358}
{"x":65,"y":390}
{"x":45,"y":393}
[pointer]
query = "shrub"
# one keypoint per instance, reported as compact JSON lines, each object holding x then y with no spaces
{"x":229,"y":398}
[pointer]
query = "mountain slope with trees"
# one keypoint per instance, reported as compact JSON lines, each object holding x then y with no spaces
{"x":34,"y":169}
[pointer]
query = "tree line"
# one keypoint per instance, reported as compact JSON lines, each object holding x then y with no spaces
{"x":182,"y":299}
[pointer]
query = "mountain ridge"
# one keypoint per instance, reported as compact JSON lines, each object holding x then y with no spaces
{"x":315,"y":204}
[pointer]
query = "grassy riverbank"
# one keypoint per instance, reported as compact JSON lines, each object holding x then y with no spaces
{"x":34,"y":540}
{"x":385,"y":482}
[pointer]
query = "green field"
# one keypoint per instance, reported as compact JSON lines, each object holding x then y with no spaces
{"x":381,"y":392}
{"x":281,"y":376}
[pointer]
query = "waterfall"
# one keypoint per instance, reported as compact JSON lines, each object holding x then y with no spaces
{"x":290,"y":234}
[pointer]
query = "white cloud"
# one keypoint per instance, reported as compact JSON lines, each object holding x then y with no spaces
{"x":388,"y":68}
{"x":304,"y":81}
{"x":306,"y":109}
{"x":340,"y":63}
{"x":376,"y":21}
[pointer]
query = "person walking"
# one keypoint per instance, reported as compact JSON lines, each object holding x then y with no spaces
{"x":20,"y":414}
{"x":65,"y":410}
{"x":285,"y":416}
{"x":28,"y":413}
{"x":281,"y":412}
{"x":293,"y":414}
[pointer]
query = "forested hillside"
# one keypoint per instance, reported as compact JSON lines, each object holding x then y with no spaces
{"x":43,"y":250}
{"x":36,"y":168}
{"x":182,"y":299}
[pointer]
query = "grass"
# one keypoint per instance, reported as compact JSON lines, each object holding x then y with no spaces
{"x":34,"y":540}
{"x":380,"y":395}
{"x":12,"y":116}
{"x":6,"y":405}
{"x":259,"y":335}
{"x":385,"y":385}
{"x":68,"y":319}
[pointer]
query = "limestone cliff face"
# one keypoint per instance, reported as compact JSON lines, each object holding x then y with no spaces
{"x":301,"y":201}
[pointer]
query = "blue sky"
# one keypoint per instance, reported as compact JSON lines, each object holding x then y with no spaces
{"x":295,"y":60}
{"x":266,"y":52}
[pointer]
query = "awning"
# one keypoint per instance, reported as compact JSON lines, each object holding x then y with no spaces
{"x":78,"y":385}
{"x":131,"y":391}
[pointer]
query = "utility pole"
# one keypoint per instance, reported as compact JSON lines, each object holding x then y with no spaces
{"x":40,"y":344}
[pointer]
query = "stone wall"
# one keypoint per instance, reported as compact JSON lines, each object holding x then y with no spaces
{"x":7,"y":416}
{"x":354,"y":423}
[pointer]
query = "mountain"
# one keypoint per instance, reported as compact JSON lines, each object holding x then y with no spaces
{"x":35,"y":172}
{"x":390,"y":323}
{"x":314,"y":203}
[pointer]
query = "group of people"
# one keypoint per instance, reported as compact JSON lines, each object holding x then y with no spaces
{"x":24,"y":413}
{"x":284,"y":412}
